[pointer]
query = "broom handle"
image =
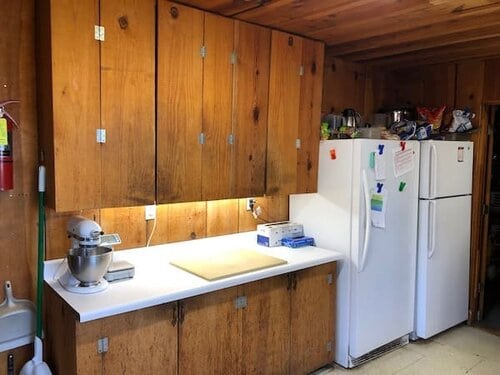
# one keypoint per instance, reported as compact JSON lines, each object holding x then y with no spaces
{"x":41,"y":248}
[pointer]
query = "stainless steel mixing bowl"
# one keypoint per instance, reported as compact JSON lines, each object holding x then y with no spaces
{"x":89,"y":265}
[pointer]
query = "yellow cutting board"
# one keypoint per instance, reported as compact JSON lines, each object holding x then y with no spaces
{"x":214,"y":265}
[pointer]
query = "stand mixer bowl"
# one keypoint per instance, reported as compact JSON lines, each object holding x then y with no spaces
{"x":89,"y":264}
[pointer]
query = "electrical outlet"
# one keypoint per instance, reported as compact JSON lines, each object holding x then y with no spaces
{"x":150,"y":212}
{"x":250,"y":203}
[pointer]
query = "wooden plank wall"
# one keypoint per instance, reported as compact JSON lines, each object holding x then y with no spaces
{"x":18,"y":207}
{"x":343,"y":85}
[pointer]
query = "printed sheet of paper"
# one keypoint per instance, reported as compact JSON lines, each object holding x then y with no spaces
{"x":403,"y":161}
{"x":379,"y":167}
{"x":378,"y":203}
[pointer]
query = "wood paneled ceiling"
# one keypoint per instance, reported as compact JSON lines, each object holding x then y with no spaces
{"x":380,"y":32}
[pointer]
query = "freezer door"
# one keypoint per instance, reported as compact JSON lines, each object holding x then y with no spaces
{"x":445,"y":169}
{"x":443,"y":264}
{"x":383,"y":276}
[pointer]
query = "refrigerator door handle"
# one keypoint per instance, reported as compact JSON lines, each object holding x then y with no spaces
{"x":368,"y":221}
{"x":431,"y":230}
{"x":433,"y":159}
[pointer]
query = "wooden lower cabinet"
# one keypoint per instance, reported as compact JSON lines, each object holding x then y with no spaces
{"x":280,"y":325}
{"x":209,"y":334}
{"x":139,"y":342}
{"x":312,"y":318}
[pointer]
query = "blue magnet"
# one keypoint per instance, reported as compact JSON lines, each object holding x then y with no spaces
{"x":379,"y":187}
{"x":380,"y":149}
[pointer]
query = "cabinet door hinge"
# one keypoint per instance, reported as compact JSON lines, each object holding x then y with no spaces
{"x":233,"y":58}
{"x":203,"y":52}
{"x":297,"y":143}
{"x":230,"y":139}
{"x":329,"y":278}
{"x":301,"y":70}
{"x":240,"y":302}
{"x":100,"y":135}
{"x":102,"y":345}
{"x":99,"y":33}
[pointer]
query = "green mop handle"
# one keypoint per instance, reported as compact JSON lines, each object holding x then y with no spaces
{"x":41,"y":247}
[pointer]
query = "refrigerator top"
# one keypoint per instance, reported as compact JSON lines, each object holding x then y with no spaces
{"x":445,"y":169}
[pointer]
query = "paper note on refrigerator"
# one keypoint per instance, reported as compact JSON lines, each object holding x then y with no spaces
{"x":403,"y":160}
{"x":378,"y":201}
{"x":379,"y":166}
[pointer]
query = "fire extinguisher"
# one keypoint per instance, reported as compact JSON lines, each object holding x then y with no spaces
{"x":7,"y":125}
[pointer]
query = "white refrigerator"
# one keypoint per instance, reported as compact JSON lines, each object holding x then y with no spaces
{"x":366,"y":208}
{"x":442,"y":298}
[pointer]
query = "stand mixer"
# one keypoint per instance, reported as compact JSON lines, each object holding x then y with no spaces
{"x":89,"y":257}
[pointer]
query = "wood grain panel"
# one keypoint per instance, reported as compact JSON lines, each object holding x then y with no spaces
{"x":18,"y":206}
{"x":283,"y":117}
{"x":222,"y":217}
{"x":313,"y":300}
{"x":217,"y":106}
{"x":311,"y":91}
{"x":179,"y":102}
{"x":130,"y":334}
{"x":492,"y":82}
{"x":75,"y":95}
{"x":180,"y":222}
{"x":266,"y":327}
{"x":211,"y":333}
{"x":344,"y":85}
{"x":251,"y":85}
{"x":128,"y":222}
{"x":469,"y":92}
{"x":272,"y":209}
{"x":128,"y":102}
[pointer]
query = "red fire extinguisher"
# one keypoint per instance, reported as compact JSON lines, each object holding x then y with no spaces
{"x":7,"y":125}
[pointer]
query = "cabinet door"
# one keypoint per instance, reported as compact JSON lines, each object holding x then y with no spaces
{"x":68,"y":89}
{"x":210,"y":334}
{"x":128,"y":102}
{"x":251,"y":88}
{"x":310,"y":116}
{"x":217,"y":101}
{"x":312,"y":318}
{"x":266,"y":327}
{"x":179,"y":102}
{"x":283,"y":119}
{"x":139,"y":342}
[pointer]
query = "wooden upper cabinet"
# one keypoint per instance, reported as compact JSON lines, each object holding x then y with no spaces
{"x":84,"y":85}
{"x":128,"y":102}
{"x":68,"y":94}
{"x":311,"y":90}
{"x":295,"y":92}
{"x":250,"y":98}
{"x":179,"y":102}
{"x":283,"y":118}
{"x":217,"y":103}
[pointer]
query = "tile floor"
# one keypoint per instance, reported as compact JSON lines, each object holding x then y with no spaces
{"x":460,"y":350}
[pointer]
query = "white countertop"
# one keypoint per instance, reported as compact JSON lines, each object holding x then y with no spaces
{"x":156,"y":281}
